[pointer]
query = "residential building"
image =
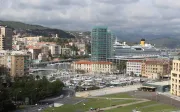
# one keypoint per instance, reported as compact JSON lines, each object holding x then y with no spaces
{"x":45,"y":43}
{"x":5,"y":38}
{"x":55,"y":50}
{"x":100,"y":44}
{"x":27,"y":62}
{"x":42,"y":57}
{"x":2,"y":60}
{"x":66,"y":51}
{"x":133,"y":67}
{"x":81,"y":47}
{"x":45,"y":50}
{"x":17,"y":65}
{"x":17,"y":62}
{"x":155,"y":68}
{"x":35,"y":51}
{"x":175,"y":77}
{"x":94,"y":67}
{"x":32,"y":40}
{"x":23,"y":40}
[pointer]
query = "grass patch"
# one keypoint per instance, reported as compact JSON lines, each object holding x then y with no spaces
{"x":149,"y":106}
{"x":119,"y":95}
{"x":139,"y":107}
{"x":91,"y":103}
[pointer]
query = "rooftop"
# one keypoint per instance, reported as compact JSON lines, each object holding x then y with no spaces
{"x":135,"y":60}
{"x":33,"y":47}
{"x":100,"y":27}
{"x":160,"y":83}
{"x":157,"y":62}
{"x":90,"y":62}
{"x":47,"y":43}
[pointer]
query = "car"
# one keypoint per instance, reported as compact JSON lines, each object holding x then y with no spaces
{"x":111,"y":86}
{"x":61,"y":96}
{"x":39,"y":109}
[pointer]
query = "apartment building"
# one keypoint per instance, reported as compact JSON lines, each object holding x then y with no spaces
{"x":5,"y":38}
{"x":32,"y":40}
{"x":55,"y":50}
{"x":17,"y":65}
{"x":17,"y":62}
{"x":66,"y":51}
{"x":45,"y":50}
{"x":134,"y":67}
{"x":35,"y":51}
{"x":94,"y":67}
{"x":155,"y":68}
{"x":2,"y":60}
{"x":175,"y":77}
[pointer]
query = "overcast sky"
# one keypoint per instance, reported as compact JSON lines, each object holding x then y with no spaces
{"x":149,"y":16}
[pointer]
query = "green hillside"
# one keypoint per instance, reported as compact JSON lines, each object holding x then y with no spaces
{"x":36,"y":30}
{"x":20,"y":25}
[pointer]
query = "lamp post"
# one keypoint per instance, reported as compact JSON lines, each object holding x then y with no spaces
{"x":171,"y":100}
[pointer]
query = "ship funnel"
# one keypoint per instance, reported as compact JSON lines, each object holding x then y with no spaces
{"x":142,"y":43}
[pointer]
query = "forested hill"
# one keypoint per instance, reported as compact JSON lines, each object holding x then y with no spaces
{"x":35,"y":30}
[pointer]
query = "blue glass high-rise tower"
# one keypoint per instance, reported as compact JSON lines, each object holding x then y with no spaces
{"x":101,"y":44}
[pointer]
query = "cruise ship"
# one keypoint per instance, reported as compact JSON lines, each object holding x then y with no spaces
{"x":122,"y":49}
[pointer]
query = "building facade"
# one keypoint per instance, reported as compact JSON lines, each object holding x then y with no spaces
{"x":5,"y":38}
{"x":103,"y":67}
{"x":32,"y":40}
{"x":17,"y":63}
{"x":100,"y":44}
{"x":66,"y":51}
{"x":133,"y":67}
{"x":82,"y":65}
{"x":35,"y":51}
{"x":55,"y":50}
{"x":175,"y":77}
{"x":94,"y":67}
{"x":17,"y":66}
{"x":155,"y":68}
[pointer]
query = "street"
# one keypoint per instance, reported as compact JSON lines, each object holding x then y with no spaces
{"x":155,"y":97}
{"x":68,"y":98}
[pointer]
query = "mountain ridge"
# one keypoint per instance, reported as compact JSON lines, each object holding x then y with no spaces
{"x":35,"y":30}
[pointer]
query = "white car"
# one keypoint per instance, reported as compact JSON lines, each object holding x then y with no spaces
{"x":39,"y":109}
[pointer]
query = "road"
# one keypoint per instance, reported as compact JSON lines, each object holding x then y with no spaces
{"x":68,"y":98}
{"x":108,"y":90}
{"x":155,"y":97}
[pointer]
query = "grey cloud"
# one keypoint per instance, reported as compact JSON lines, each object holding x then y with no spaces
{"x":117,"y":1}
{"x":170,"y":4}
{"x":120,"y":15}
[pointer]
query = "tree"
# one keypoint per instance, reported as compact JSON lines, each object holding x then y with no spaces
{"x":5,"y":84}
{"x":36,"y":89}
{"x":74,"y":48}
{"x":121,"y":66}
{"x":88,"y":48}
{"x":132,"y":74}
{"x":37,"y":77}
